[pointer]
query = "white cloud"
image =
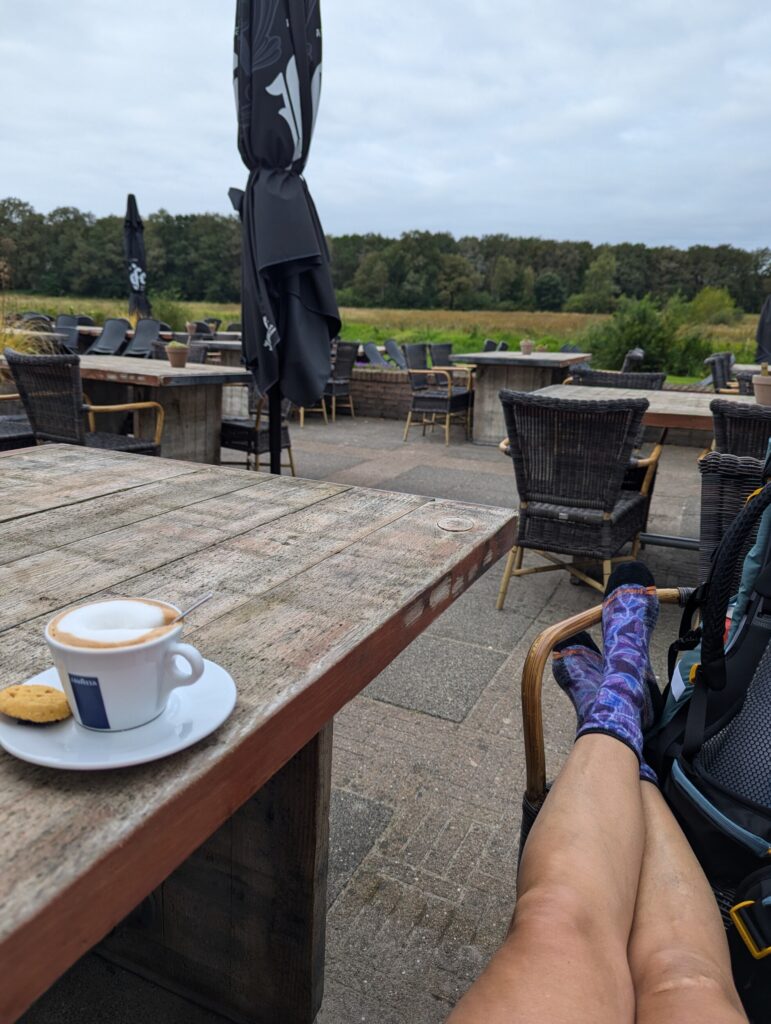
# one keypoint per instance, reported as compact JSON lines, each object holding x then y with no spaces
{"x":607,"y":120}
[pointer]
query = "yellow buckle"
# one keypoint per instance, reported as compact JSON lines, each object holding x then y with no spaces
{"x":742,"y":929}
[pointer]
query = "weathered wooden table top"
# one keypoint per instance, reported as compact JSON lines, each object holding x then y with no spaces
{"x":317,"y":587}
{"x":156,"y":373}
{"x":666,"y":408}
{"x":520,"y":359}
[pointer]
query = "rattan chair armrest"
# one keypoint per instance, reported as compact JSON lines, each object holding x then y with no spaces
{"x":10,"y":398}
{"x":532,"y":681}
{"x":729,"y":390}
{"x":435,"y":372}
{"x":462,"y":369}
{"x":649,"y":464}
{"x":160,"y":415}
{"x":567,"y":380}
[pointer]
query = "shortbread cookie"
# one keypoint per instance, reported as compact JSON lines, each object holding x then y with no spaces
{"x":34,"y":703}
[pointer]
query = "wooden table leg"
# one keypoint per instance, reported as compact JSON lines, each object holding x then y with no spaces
{"x":240,"y":926}
{"x":193,"y":419}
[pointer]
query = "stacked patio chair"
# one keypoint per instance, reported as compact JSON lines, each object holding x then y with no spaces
{"x":15,"y":428}
{"x":395,"y":353}
{"x":251,"y":434}
{"x":339,"y":384}
{"x":616,"y":379}
{"x":374,"y":357}
{"x":52,"y":392}
{"x":145,"y":335}
{"x":112,"y":339}
{"x":633,"y":360}
{"x":66,"y":327}
{"x":719,"y":364}
{"x":741,"y":429}
{"x":571,"y":458}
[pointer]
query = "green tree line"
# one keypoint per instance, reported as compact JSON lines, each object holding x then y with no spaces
{"x":197,"y":257}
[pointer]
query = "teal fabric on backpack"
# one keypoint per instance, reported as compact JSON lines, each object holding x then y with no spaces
{"x":751,"y":567}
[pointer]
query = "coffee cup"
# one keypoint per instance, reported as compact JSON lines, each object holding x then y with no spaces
{"x":116,"y":660}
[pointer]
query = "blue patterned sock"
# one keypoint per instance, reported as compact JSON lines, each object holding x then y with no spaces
{"x":623,"y":706}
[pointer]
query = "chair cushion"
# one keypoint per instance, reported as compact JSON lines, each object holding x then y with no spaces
{"x":582,"y":531}
{"x":122,"y":443}
{"x":438,"y":400}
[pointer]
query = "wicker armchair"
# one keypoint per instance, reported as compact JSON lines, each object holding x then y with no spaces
{"x":617,"y":379}
{"x":726,"y":483}
{"x":51,"y":390}
{"x":234,"y":327}
{"x":744,"y":381}
{"x":339,"y":384}
{"x":741,"y":429}
{"x":213,"y":323}
{"x":441,"y":354}
{"x":719,"y":365}
{"x":15,"y":428}
{"x":435,"y":393}
{"x":570,"y":461}
{"x":112,"y":338}
{"x":251,"y":435}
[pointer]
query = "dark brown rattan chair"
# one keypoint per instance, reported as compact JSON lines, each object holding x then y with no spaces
{"x":339,"y":384}
{"x":570,"y":461}
{"x":213,"y":323}
{"x":251,"y":434}
{"x":744,"y":380}
{"x":235,"y":327}
{"x":15,"y":428}
{"x":52,"y":392}
{"x":741,"y":428}
{"x":617,"y":379}
{"x":441,"y":354}
{"x":726,"y":483}
{"x":435,"y":393}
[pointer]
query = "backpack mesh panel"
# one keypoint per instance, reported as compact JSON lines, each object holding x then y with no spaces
{"x":739,"y":756}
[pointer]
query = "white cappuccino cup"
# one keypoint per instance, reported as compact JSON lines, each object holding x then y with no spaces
{"x":116,"y":660}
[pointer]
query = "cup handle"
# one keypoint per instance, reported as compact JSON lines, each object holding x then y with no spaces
{"x":174,"y":677}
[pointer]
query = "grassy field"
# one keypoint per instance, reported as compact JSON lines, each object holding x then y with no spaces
{"x":466,"y":329}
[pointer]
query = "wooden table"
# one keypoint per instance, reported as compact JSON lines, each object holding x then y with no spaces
{"x":686,"y":409}
{"x":318,"y":586}
{"x":191,"y":397}
{"x":517,"y":372}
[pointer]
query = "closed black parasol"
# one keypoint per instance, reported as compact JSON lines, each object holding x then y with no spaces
{"x":763,"y":334}
{"x":289,"y":312}
{"x":134,"y":251}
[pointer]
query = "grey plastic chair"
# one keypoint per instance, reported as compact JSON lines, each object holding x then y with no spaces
{"x":112,"y":339}
{"x":66,"y":327}
{"x":374,"y":357}
{"x":633,"y":360}
{"x":394,"y":352}
{"x":145,"y":334}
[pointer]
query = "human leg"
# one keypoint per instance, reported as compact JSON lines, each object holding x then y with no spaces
{"x":565,"y":958}
{"x":678,"y":952}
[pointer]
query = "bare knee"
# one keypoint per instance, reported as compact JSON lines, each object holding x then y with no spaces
{"x":556,"y":912}
{"x":678,"y":977}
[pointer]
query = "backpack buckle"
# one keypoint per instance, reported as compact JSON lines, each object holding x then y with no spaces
{"x":754,"y":925}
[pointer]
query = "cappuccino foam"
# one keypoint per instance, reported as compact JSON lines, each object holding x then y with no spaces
{"x":122,"y":622}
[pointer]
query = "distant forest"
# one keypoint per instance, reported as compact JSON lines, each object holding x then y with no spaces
{"x":197,"y":257}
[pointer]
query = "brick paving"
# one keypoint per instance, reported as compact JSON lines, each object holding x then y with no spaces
{"x":428,"y":766}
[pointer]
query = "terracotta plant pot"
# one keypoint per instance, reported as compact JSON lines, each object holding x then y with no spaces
{"x":761,"y":385}
{"x":177,"y":355}
{"x":526,"y":346}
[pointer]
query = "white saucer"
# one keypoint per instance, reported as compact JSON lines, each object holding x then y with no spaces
{"x":191,"y":713}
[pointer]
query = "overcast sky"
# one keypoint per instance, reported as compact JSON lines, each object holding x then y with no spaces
{"x":606,"y":120}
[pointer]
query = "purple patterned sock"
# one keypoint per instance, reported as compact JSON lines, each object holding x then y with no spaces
{"x":577,"y":668}
{"x":624,"y":705}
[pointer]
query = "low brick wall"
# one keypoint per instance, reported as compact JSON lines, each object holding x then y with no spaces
{"x":379,"y":392}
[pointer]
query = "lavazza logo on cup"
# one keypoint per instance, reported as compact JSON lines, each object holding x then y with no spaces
{"x":117,"y":661}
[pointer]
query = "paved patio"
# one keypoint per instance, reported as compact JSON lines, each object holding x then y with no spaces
{"x":428,"y":762}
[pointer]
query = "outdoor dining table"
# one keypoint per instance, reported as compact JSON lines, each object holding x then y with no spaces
{"x":517,"y":372}
{"x":688,"y":410}
{"x":191,"y":397}
{"x":223,"y":847}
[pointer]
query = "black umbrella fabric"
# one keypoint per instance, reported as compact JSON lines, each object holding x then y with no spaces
{"x":763,"y":334}
{"x":289,"y":312}
{"x":134,"y":252}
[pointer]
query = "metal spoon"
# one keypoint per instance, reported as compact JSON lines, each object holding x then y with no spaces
{"x":192,"y":607}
